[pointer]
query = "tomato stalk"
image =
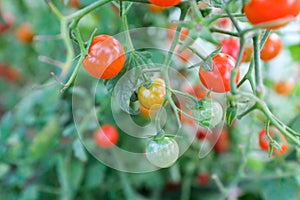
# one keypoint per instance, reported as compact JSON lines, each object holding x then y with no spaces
{"x":257,"y":67}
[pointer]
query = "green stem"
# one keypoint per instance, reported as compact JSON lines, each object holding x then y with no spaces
{"x":216,"y":30}
{"x":257,"y":67}
{"x":129,"y":44}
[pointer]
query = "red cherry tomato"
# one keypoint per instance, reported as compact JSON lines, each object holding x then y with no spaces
{"x":165,"y":3}
{"x":105,"y":57}
{"x":202,"y":178}
{"x":201,"y":133}
{"x":264,"y":141}
{"x":106,"y":136}
{"x":222,"y":145}
{"x":262,"y":11}
{"x":231,"y":47}
{"x":271,"y":48}
{"x":24,"y":33}
{"x":218,"y":79}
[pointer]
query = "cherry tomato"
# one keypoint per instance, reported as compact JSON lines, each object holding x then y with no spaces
{"x":202,"y":178}
{"x":201,"y":133}
{"x":283,"y":88}
{"x":24,"y":34}
{"x":165,"y":3}
{"x":9,"y":73}
{"x":105,"y":57}
{"x":154,"y":95}
{"x":262,"y":11}
{"x":264,"y":141}
{"x":218,"y":79}
{"x":162,"y":152}
{"x":224,"y":23}
{"x":223,"y":143}
{"x":106,"y":136}
{"x":154,"y":9}
{"x":231,"y":47}
{"x":271,"y":48}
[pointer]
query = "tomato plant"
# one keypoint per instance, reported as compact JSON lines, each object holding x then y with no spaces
{"x":106,"y":136}
{"x":24,"y":34}
{"x":105,"y":58}
{"x":153,"y":95}
{"x":202,"y":178}
{"x":231,"y":47}
{"x":196,"y":90}
{"x":6,"y":21}
{"x":165,"y":3}
{"x":218,"y":79}
{"x":262,"y":11}
{"x":271,"y":48}
{"x":264,"y":141}
{"x":162,"y":152}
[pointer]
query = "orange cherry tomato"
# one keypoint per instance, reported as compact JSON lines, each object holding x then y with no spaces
{"x":106,"y":57}
{"x":165,"y":3}
{"x":24,"y":33}
{"x":283,"y":88}
{"x":262,"y":11}
{"x":271,"y":48}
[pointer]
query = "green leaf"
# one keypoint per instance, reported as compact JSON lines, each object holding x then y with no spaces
{"x":295,"y":52}
{"x":44,"y":140}
{"x":30,"y":193}
{"x":95,"y":175}
{"x":279,"y":189}
{"x":79,"y":151}
{"x":231,"y":114}
{"x":207,"y":35}
{"x":125,"y":87}
{"x":4,"y":168}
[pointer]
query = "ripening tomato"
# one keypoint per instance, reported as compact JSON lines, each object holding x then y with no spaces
{"x":106,"y":136}
{"x":154,"y":9}
{"x":73,"y":3}
{"x":271,"y":48}
{"x":283,"y":88}
{"x":263,"y":11}
{"x":9,"y":73}
{"x":223,"y":143}
{"x":162,"y":152}
{"x":154,"y":95}
{"x":218,"y":79}
{"x":165,"y":3}
{"x":105,"y":57}
{"x":231,"y":47}
{"x":147,"y":112}
{"x":264,"y":141}
{"x":24,"y":33}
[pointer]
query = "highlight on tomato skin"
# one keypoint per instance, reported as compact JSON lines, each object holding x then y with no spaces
{"x":165,"y":3}
{"x":106,"y":136}
{"x":271,"y":48}
{"x":106,"y":57}
{"x":218,"y":79}
{"x":263,"y":11}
